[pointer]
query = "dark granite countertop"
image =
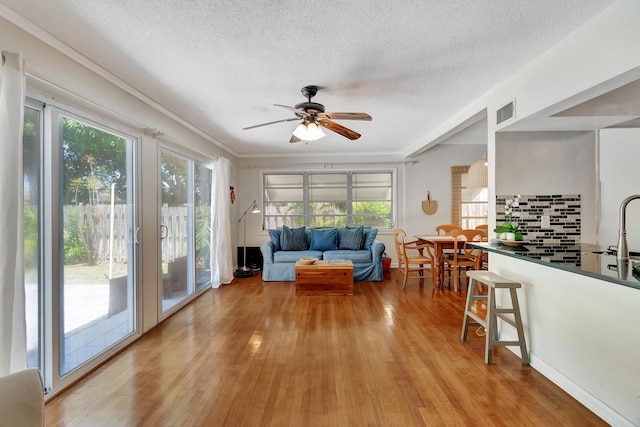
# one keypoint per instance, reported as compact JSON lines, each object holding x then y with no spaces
{"x":586,"y":259}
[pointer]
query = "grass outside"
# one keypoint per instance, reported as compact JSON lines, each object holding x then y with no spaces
{"x":92,"y":274}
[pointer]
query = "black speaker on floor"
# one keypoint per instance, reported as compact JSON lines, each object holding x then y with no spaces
{"x":254,"y":258}
{"x":242,"y":274}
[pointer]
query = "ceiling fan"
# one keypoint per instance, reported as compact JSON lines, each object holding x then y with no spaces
{"x":314,"y":117}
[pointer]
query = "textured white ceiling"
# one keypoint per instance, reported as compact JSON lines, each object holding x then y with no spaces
{"x":222,"y":64}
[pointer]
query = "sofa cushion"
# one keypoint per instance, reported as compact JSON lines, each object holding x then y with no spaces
{"x":352,"y":238}
{"x":324,"y":239}
{"x":274,"y":235}
{"x":293,"y":256}
{"x":294,"y":239}
{"x":369,"y":237}
{"x":355,"y":256}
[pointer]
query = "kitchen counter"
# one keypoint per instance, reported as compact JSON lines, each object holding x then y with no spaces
{"x":581,"y":259}
{"x":580,"y":315}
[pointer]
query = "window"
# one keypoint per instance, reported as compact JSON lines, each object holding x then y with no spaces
{"x":469,"y":206}
{"x":328,"y":199}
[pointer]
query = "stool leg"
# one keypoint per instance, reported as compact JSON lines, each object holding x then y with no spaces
{"x":465,"y":322}
{"x":519,"y":328}
{"x":491,"y":333}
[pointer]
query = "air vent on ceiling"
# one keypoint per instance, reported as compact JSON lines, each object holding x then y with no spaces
{"x":505,"y":113}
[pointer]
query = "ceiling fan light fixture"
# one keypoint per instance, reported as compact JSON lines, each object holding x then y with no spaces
{"x":301,"y":132}
{"x":314,"y":118}
{"x":308,"y":132}
{"x":315,"y":132}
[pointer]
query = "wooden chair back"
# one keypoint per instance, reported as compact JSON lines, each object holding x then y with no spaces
{"x":464,"y":257}
{"x":399,"y":236}
{"x":411,"y":256}
{"x":446,"y":229}
{"x":484,"y":228}
{"x":461,"y":250}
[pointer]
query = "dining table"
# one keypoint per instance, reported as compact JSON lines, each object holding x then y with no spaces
{"x":440,"y":244}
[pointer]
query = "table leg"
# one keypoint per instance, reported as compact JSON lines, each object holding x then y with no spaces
{"x":439,"y":273}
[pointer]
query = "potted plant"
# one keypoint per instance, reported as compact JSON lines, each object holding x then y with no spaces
{"x":509,"y":230}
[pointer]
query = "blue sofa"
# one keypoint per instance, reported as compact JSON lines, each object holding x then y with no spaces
{"x":279,"y":264}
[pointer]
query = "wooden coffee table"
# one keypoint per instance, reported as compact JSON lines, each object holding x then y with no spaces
{"x":324,"y":278}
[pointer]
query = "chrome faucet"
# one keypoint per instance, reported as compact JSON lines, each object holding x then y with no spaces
{"x":623,"y":250}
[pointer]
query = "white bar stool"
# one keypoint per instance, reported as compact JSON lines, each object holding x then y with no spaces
{"x":493,"y":282}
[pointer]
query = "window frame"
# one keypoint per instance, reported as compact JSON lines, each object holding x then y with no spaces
{"x":306,"y":199}
{"x":39,"y":106}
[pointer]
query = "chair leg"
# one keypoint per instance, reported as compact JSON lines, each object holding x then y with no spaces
{"x":406,"y":276}
{"x":455,"y":279}
{"x":433,"y":276}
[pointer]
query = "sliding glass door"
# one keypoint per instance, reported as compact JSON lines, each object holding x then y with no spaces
{"x":176,"y":228}
{"x":185,"y":230}
{"x":97,"y":258}
{"x":202,"y":195}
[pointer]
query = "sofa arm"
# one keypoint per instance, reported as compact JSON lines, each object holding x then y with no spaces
{"x":267,"y":249}
{"x":377,"y":249}
{"x":22,"y":398}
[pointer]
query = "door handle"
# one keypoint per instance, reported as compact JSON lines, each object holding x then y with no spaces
{"x":136,"y":236}
{"x":164,"y":232}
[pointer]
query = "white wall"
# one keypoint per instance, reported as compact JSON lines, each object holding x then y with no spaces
{"x":432,"y":172}
{"x":550,"y":163}
{"x":619,"y":152}
{"x":582,"y":333}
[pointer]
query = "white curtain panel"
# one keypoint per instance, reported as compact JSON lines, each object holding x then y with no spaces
{"x":221,"y":249}
{"x":13,"y":341}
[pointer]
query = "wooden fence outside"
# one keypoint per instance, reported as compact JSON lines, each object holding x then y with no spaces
{"x":97,"y":219}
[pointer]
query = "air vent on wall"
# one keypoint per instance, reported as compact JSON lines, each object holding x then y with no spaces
{"x":505,"y":113}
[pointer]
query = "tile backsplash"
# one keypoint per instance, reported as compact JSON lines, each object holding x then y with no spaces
{"x":563,"y":229}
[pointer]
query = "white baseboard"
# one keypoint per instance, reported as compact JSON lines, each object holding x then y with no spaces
{"x":591,"y":402}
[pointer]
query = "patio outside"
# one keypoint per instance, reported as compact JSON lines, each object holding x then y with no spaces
{"x":88,"y":329}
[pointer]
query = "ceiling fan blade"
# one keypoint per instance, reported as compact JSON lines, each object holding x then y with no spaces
{"x":295,"y":110}
{"x":347,"y":116}
{"x":270,"y":123}
{"x":335,"y":127}
{"x":294,"y":139}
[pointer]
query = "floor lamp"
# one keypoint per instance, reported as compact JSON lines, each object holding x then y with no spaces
{"x":244,"y":271}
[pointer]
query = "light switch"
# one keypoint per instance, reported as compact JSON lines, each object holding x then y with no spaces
{"x":545,"y":221}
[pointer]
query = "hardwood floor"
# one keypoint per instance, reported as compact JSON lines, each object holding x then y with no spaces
{"x":254,"y":354}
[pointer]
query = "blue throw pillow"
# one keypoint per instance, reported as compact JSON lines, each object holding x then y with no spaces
{"x":274,"y":235}
{"x":324,"y":239}
{"x":352,"y":238}
{"x":369,"y":237}
{"x":294,"y":239}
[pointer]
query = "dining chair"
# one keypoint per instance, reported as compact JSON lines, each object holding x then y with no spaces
{"x":411,"y":257}
{"x":446,"y":229}
{"x":485,"y":255}
{"x":484,"y":228}
{"x":464,"y":257}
